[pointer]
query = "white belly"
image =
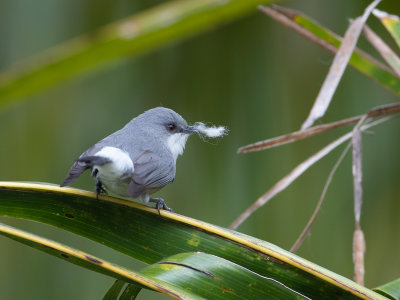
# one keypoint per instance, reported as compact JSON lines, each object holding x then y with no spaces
{"x":116,"y":186}
{"x":116,"y":175}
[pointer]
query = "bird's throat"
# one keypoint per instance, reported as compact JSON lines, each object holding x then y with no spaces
{"x":176,"y":143}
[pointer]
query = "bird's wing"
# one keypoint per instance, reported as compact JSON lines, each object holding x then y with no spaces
{"x":152,"y":171}
{"x":80,"y":165}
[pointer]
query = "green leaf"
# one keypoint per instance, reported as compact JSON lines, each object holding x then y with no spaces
{"x":150,"y":237}
{"x":359,"y":60}
{"x":212,"y":277}
{"x":114,"y":291}
{"x":200,"y":275}
{"x":130,"y":292}
{"x":143,"y":32}
{"x":390,"y":289}
{"x":80,"y":258}
{"x":391,"y":23}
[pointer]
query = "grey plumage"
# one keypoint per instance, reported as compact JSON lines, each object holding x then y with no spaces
{"x":152,"y":140}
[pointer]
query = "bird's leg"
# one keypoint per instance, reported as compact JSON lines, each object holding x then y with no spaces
{"x":99,"y":186}
{"x":160,"y":204}
{"x":99,"y":189}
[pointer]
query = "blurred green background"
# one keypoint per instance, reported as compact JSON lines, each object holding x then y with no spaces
{"x":254,"y":76}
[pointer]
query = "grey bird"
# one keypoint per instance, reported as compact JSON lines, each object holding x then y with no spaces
{"x":138,"y":159}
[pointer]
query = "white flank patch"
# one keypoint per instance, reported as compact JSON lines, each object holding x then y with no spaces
{"x":121,"y":164}
{"x":176,"y":143}
{"x":211,"y":131}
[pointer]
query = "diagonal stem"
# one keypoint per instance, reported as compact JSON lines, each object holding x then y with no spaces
{"x":296,"y":172}
{"x":310,"y":222}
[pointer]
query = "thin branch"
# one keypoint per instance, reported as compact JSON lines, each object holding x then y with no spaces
{"x":357,"y":171}
{"x":295,"y":173}
{"x":310,"y":222}
{"x":384,"y":110}
{"x":384,"y":50}
{"x":302,"y":134}
{"x":288,"y":179}
{"x":359,"y":249}
{"x":338,"y":66}
{"x":297,"y":135}
{"x":358,"y":237}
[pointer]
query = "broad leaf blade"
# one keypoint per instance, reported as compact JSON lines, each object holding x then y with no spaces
{"x":143,"y":32}
{"x":212,"y":277}
{"x":149,"y":237}
{"x":194,"y":275}
{"x":80,"y":258}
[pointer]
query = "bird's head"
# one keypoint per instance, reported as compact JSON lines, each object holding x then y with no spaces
{"x":169,"y":127}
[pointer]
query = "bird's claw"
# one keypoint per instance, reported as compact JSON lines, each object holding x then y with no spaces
{"x":160,"y":204}
{"x":100,"y":189}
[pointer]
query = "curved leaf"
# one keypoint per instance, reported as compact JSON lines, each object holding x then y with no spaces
{"x":199,"y":274}
{"x":143,"y":32}
{"x":150,"y":237}
{"x":212,"y":277}
{"x":93,"y":263}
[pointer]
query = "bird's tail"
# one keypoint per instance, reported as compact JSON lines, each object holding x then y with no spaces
{"x":81,"y":164}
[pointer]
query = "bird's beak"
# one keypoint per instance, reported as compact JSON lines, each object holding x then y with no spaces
{"x":190,"y":130}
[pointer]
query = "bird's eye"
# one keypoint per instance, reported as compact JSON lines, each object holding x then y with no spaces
{"x":171,"y":126}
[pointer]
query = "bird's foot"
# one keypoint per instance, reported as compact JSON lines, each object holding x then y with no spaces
{"x":160,"y":204}
{"x":99,"y":189}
